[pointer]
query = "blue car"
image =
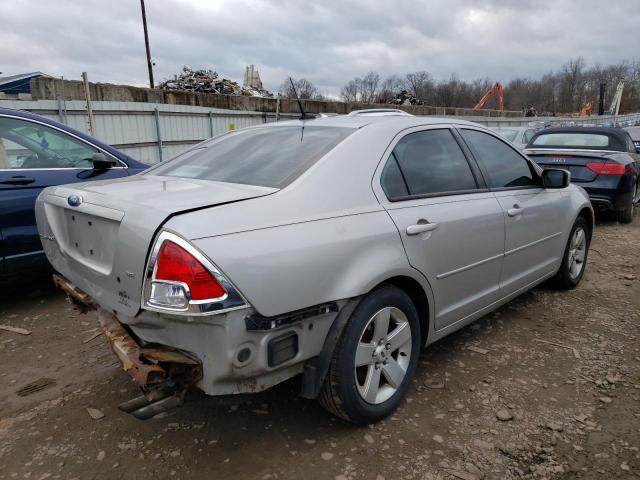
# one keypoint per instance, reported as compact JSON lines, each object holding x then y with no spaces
{"x":35,"y":153}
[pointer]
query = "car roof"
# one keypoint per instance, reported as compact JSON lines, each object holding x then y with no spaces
{"x":610,"y":131}
{"x":360,"y":121}
{"x":619,"y":135}
{"x":47,"y":121}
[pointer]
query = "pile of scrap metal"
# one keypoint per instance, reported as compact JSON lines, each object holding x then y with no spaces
{"x":208,"y":81}
{"x":406,"y":98}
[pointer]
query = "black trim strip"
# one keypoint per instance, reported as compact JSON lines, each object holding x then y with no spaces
{"x":257,"y":322}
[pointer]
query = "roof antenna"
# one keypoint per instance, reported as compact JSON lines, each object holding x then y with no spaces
{"x":303,"y":115}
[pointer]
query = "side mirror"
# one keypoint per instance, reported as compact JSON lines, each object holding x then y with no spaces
{"x":555,"y":178}
{"x":101,"y":162}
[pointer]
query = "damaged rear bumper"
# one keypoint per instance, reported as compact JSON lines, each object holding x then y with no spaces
{"x":149,"y":367}
{"x":228,"y":353}
{"x":163,"y":374}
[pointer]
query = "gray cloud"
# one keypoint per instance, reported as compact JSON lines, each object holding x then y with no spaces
{"x":328,"y":42}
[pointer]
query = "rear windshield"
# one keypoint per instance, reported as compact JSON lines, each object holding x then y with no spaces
{"x":268,"y":157}
{"x":578,"y":140}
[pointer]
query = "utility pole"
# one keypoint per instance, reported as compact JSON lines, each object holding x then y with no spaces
{"x":146,"y":43}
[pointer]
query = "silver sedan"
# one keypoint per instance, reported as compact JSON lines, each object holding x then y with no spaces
{"x":333,"y":249}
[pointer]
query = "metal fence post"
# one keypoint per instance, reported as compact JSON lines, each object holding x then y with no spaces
{"x":156,"y":114}
{"x":60,"y":111}
{"x":87,"y":97}
{"x":211,"y":124}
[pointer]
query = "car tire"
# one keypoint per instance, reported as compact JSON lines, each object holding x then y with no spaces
{"x":574,"y":260}
{"x":626,"y":215}
{"x":372,"y":390}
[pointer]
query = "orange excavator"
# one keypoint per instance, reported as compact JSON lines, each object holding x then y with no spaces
{"x":496,"y":88}
{"x":584,"y":111}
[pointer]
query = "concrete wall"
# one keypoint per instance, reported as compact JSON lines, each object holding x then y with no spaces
{"x":52,"y":88}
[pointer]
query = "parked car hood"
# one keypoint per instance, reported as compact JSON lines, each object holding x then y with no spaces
{"x":98,"y":234}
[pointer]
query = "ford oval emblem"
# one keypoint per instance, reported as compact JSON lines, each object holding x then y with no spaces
{"x":74,"y":200}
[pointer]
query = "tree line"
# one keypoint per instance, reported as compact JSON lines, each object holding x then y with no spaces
{"x":565,"y":90}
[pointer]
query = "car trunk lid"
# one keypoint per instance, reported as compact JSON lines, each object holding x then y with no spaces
{"x":98,"y":234}
{"x":575,"y":161}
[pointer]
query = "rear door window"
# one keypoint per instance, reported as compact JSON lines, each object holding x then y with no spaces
{"x":427,"y":163}
{"x":505,"y":167}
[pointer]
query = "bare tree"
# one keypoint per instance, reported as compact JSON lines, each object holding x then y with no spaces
{"x":305,"y":89}
{"x":562,"y":91}
{"x":349,"y":92}
{"x":422,"y":86}
{"x":369,"y":87}
{"x":390,"y":87}
{"x":570,"y":87}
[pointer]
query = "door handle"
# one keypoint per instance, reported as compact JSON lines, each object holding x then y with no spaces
{"x":17,"y":181}
{"x":516,"y":210}
{"x":421,"y":228}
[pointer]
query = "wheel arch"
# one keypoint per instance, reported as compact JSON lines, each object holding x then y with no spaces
{"x":419,"y":298}
{"x":588,"y":215}
{"x":316,"y":369}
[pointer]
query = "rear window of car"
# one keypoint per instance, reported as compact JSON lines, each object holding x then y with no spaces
{"x":268,"y":157}
{"x":578,"y":140}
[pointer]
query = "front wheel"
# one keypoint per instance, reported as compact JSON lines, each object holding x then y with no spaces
{"x":576,"y":252}
{"x":375,"y":360}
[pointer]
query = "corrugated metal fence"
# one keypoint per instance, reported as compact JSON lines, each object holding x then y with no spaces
{"x":155,"y":132}
{"x":147,"y":132}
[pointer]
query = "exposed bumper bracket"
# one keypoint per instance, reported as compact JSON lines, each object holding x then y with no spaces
{"x":163,"y":374}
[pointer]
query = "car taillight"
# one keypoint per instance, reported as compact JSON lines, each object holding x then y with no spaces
{"x":182,"y":280}
{"x":175,"y":264}
{"x":606,"y":168}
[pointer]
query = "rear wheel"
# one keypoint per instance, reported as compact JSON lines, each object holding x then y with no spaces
{"x":375,"y":359}
{"x":626,"y":215}
{"x":576,"y":252}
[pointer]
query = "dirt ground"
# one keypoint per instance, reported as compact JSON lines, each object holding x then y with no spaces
{"x":546,"y":387}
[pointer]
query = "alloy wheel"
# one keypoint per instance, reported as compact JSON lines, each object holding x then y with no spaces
{"x":383,"y":355}
{"x":577,"y":252}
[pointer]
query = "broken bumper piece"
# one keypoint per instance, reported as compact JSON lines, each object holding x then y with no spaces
{"x":163,"y":374}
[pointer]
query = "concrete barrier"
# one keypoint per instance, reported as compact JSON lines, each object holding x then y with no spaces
{"x":46,"y":88}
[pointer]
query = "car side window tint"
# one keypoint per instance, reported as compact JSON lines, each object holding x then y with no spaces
{"x":505,"y":167}
{"x":392,"y":181}
{"x":25,"y":144}
{"x":431,"y":162}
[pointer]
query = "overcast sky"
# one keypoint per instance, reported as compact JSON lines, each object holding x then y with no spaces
{"x":327,"y":41}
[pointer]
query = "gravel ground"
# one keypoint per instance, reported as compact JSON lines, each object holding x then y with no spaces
{"x":546,"y":387}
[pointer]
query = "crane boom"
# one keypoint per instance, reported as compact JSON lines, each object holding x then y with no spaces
{"x":496,"y":88}
{"x":617,"y":98}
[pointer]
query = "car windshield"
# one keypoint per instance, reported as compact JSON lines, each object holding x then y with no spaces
{"x":268,"y":157}
{"x":508,"y":134}
{"x":578,"y":140}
